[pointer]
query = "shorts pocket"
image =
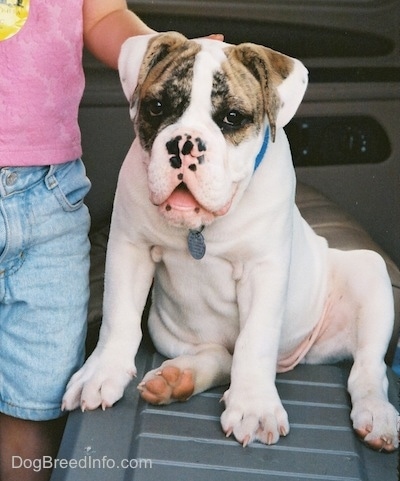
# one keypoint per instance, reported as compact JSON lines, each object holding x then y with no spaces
{"x":69,"y":184}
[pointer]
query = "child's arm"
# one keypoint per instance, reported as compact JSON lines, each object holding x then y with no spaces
{"x":106,"y":25}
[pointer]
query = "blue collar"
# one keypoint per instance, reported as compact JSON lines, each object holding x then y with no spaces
{"x":263,"y":149}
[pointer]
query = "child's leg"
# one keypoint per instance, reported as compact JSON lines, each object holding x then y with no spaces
{"x":44,"y":264}
{"x":22,"y":442}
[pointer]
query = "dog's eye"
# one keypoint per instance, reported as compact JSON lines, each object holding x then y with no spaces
{"x":155,"y":108}
{"x":232,"y":120}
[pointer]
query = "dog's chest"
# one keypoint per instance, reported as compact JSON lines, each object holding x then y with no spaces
{"x":197,"y":295}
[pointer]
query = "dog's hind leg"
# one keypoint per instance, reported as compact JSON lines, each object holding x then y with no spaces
{"x":206,"y":366}
{"x":368,"y":285}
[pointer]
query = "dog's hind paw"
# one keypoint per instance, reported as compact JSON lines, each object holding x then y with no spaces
{"x":376,"y":422}
{"x":167,"y":385}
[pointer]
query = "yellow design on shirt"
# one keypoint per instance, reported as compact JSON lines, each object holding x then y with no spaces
{"x":13,"y":15}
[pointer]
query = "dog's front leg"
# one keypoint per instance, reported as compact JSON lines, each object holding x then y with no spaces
{"x":253,"y":408}
{"x":106,"y":373}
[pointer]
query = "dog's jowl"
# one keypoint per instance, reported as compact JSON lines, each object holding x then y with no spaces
{"x":243,"y":288}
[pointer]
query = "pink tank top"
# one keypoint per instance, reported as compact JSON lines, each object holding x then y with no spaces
{"x":41,"y":85}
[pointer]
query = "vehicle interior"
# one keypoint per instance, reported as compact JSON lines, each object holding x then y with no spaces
{"x":346,"y":151}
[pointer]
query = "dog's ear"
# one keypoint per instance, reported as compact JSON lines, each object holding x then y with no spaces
{"x":138,"y":56}
{"x":283,"y":80}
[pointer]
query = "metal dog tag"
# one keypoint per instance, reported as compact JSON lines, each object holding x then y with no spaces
{"x":196,"y":244}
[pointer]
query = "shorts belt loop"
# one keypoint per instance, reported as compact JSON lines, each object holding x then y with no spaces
{"x":50,"y":179}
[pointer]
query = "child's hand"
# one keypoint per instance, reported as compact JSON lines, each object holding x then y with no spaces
{"x":216,"y":36}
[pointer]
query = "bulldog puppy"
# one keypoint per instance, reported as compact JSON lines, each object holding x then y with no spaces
{"x":243,"y":288}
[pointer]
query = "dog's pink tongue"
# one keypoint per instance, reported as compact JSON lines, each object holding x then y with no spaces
{"x":182,"y":199}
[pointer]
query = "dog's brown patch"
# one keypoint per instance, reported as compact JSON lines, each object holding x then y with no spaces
{"x":230,"y":93}
{"x":269,"y":68}
{"x":165,"y":77}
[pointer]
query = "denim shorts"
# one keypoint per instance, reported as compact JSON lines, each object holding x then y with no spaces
{"x":44,"y":285}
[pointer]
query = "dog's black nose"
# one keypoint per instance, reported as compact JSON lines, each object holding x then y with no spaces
{"x":173,"y":145}
{"x":173,"y":149}
{"x":193,"y":147}
{"x":187,"y":147}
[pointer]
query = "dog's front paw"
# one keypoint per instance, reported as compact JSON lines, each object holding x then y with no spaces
{"x":100,"y":382}
{"x":376,"y":423}
{"x":167,"y":384}
{"x":254,"y":419}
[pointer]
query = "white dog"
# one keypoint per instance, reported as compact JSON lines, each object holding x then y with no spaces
{"x":243,"y":288}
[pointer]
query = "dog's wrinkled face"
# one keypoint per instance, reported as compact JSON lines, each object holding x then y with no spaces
{"x":201,"y":108}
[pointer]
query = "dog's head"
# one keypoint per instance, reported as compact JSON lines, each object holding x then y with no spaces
{"x":201,"y":109}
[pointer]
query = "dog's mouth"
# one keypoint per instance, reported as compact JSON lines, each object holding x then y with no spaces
{"x":182,"y":208}
{"x":182,"y":199}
